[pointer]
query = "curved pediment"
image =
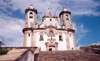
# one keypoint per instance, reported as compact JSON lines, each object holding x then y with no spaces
{"x":51,"y":32}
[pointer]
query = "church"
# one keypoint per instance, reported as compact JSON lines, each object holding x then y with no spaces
{"x":49,"y":35}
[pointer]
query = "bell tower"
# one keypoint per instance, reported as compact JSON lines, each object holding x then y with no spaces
{"x":30,"y":16}
{"x":65,"y":18}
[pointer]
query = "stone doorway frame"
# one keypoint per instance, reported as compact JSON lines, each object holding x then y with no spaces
{"x":48,"y":44}
{"x":51,"y":48}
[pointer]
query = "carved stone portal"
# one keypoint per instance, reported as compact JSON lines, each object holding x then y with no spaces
{"x":51,"y":45}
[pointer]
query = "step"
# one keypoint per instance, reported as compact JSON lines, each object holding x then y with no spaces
{"x":70,"y":55}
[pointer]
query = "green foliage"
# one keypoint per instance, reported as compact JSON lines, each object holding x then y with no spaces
{"x":3,"y":51}
{"x":33,"y":50}
{"x":95,"y":46}
{"x":1,"y":43}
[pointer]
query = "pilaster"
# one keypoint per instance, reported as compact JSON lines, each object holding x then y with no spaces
{"x":34,"y":38}
{"x":31,"y":39}
{"x":25,"y":39}
{"x":26,"y":24}
{"x":67,"y":41}
{"x":74,"y":41}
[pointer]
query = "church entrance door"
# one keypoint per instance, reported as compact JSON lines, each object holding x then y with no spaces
{"x":51,"y":48}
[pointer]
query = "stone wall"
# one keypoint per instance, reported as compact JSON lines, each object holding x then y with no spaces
{"x":21,"y":54}
{"x":10,"y":48}
{"x":88,"y":49}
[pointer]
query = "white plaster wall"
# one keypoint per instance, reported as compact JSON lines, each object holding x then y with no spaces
{"x":40,"y":43}
{"x":71,"y":42}
{"x":62,"y":44}
{"x":30,"y":20}
{"x":28,"y":41}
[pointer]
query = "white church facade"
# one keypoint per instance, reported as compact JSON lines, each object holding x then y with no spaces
{"x":49,"y":35}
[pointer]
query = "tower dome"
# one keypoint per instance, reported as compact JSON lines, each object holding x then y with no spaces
{"x":31,"y":8}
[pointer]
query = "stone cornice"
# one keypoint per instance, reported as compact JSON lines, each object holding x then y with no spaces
{"x":31,"y":10}
{"x":64,"y":12}
{"x":69,"y":30}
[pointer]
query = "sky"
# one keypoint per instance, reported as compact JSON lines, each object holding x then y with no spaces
{"x":85,"y":16}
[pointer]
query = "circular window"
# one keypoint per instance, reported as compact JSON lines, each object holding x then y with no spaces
{"x":50,"y":19}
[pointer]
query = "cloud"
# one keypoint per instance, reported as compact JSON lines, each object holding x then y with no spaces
{"x":80,"y":31}
{"x":0,"y":39}
{"x":78,"y":48}
{"x":11,"y":30}
{"x":83,"y":7}
{"x":40,"y":5}
{"x":80,"y":7}
{"x":74,"y":27}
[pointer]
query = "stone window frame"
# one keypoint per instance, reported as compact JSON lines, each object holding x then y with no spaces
{"x":70,"y":34}
{"x":51,"y":35}
{"x":66,"y":18}
{"x":40,"y":37}
{"x":29,"y":35}
{"x":50,"y":29}
{"x":61,"y":37}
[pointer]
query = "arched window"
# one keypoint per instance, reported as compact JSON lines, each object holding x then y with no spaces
{"x":51,"y":33}
{"x":70,"y":35}
{"x":67,"y":17}
{"x":41,"y":37}
{"x":29,"y":35}
{"x":31,"y":15}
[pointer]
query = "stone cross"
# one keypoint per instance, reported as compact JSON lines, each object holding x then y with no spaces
{"x":50,"y":10}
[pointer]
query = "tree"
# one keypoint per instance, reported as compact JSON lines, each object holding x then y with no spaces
{"x":1,"y":43}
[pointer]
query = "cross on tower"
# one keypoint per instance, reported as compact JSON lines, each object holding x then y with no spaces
{"x":31,"y":4}
{"x":50,"y":10}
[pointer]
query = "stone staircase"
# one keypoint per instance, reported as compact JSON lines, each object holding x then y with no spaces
{"x":70,"y":55}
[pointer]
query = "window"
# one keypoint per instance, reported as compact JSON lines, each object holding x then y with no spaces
{"x":41,"y":37}
{"x":60,"y":38}
{"x":67,"y":17}
{"x":72,"y":48}
{"x":29,"y":35}
{"x":70,"y":35}
{"x":51,"y":33}
{"x":50,"y":19}
{"x":31,"y":15}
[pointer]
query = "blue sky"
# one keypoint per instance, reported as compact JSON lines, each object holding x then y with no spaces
{"x":85,"y":15}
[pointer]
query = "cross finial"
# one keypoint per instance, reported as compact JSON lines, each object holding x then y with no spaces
{"x":54,"y":13}
{"x":31,"y":4}
{"x":50,"y":9}
{"x":63,"y":7}
{"x":44,"y":13}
